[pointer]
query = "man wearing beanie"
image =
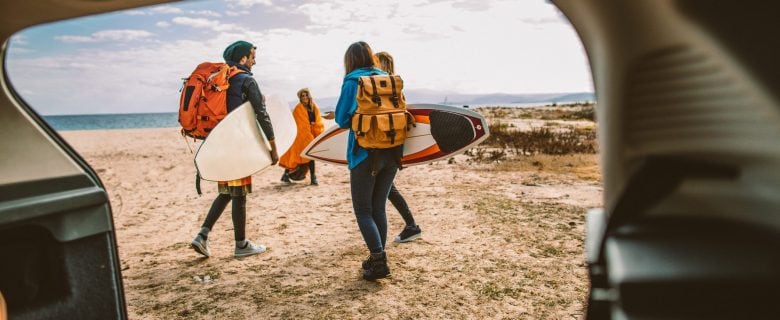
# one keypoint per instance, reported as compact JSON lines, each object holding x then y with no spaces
{"x":243,"y":87}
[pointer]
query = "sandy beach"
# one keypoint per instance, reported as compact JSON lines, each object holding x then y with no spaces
{"x":500,"y":240}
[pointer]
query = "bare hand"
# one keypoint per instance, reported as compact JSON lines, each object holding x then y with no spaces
{"x":274,"y":157}
{"x":274,"y":154}
{"x":330,"y":115}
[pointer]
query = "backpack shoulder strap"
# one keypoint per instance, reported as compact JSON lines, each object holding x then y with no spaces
{"x":234,"y":71}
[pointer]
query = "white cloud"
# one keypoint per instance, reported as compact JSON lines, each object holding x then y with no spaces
{"x":123,"y":35}
{"x":231,"y":13}
{"x":155,"y":11}
{"x":135,"y":13}
{"x":208,"y":13}
{"x":74,"y":39}
{"x":248,"y":3}
{"x":215,"y":25}
{"x":163,"y":24}
{"x":140,"y":79}
{"x":462,"y":47}
{"x":19,"y":50}
{"x":166,"y":10}
{"x":503,"y":46}
{"x":19,"y":39}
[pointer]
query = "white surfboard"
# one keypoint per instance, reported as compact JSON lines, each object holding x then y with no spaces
{"x":441,"y":132}
{"x":237,"y":147}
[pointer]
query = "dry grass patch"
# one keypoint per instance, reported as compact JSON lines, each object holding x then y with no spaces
{"x":547,"y":272}
{"x":582,"y":166}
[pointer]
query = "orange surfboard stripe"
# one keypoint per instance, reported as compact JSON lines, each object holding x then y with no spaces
{"x":422,"y":153}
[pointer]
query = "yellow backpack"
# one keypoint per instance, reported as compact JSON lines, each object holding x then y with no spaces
{"x":381,"y":120}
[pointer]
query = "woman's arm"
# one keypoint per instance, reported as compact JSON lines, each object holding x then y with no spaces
{"x":318,"y":126}
{"x":302,"y":124}
{"x":347,"y":104}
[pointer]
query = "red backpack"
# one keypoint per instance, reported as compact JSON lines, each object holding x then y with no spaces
{"x":203,"y":101}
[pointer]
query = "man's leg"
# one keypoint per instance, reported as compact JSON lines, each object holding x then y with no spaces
{"x":201,"y":242}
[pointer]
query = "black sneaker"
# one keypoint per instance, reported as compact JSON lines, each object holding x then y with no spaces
{"x":286,"y":178}
{"x":314,"y":180}
{"x":410,"y":233}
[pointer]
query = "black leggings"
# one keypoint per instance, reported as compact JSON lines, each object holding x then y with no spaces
{"x":239,"y":214}
{"x":400,"y":204}
{"x":311,"y":167}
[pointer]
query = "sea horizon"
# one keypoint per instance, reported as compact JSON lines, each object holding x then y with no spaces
{"x":141,"y":120}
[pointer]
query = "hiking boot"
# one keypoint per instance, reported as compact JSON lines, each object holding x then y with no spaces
{"x":286,"y":178}
{"x":200,"y":245}
{"x":410,"y":233}
{"x":314,"y":180}
{"x":377,"y":267}
{"x":366,"y":263}
{"x":249,"y":249}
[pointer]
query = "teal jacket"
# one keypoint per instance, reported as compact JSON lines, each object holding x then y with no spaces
{"x":346,"y":107}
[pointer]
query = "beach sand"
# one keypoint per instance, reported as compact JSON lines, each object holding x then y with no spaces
{"x":499,"y":240}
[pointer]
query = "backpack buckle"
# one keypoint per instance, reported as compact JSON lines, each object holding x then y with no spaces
{"x":394,"y":99}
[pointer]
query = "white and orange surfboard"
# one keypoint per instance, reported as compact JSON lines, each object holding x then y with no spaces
{"x":441,"y":132}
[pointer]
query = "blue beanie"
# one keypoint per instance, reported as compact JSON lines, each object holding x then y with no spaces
{"x":237,"y":50}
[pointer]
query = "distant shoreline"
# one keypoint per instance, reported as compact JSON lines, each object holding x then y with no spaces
{"x":112,"y":121}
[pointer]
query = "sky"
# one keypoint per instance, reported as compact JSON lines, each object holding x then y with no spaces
{"x":134,"y":60}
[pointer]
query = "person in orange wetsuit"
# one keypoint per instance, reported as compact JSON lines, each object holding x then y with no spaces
{"x":309,"y":122}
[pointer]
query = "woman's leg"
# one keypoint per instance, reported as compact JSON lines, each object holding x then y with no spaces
{"x":400,"y":204}
{"x":384,"y":180}
{"x":376,"y":266}
{"x":313,"y":176}
{"x":362,"y":186}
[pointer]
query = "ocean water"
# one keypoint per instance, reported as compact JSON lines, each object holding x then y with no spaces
{"x":171,"y":119}
{"x":113,"y":121}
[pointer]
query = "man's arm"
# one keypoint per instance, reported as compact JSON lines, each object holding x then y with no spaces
{"x":256,"y":99}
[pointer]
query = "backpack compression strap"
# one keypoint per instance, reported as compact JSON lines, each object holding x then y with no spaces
{"x":394,"y":98}
{"x":391,"y":133}
{"x":375,"y":98}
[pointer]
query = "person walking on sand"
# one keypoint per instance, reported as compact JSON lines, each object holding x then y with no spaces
{"x":411,"y":231}
{"x":243,"y":87}
{"x":369,"y":188}
{"x":309,"y":123}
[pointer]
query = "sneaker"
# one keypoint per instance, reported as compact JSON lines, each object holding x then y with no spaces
{"x":286,"y":178}
{"x":201,"y":246}
{"x":250,"y":249}
{"x":409,"y":233}
{"x":314,"y":180}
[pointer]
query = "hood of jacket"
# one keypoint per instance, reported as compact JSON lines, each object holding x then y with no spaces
{"x":357,"y":73}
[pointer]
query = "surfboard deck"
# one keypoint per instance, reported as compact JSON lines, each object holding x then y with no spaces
{"x":237,"y":147}
{"x":441,"y":132}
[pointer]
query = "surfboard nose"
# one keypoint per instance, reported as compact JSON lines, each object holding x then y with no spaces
{"x":451,"y":131}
